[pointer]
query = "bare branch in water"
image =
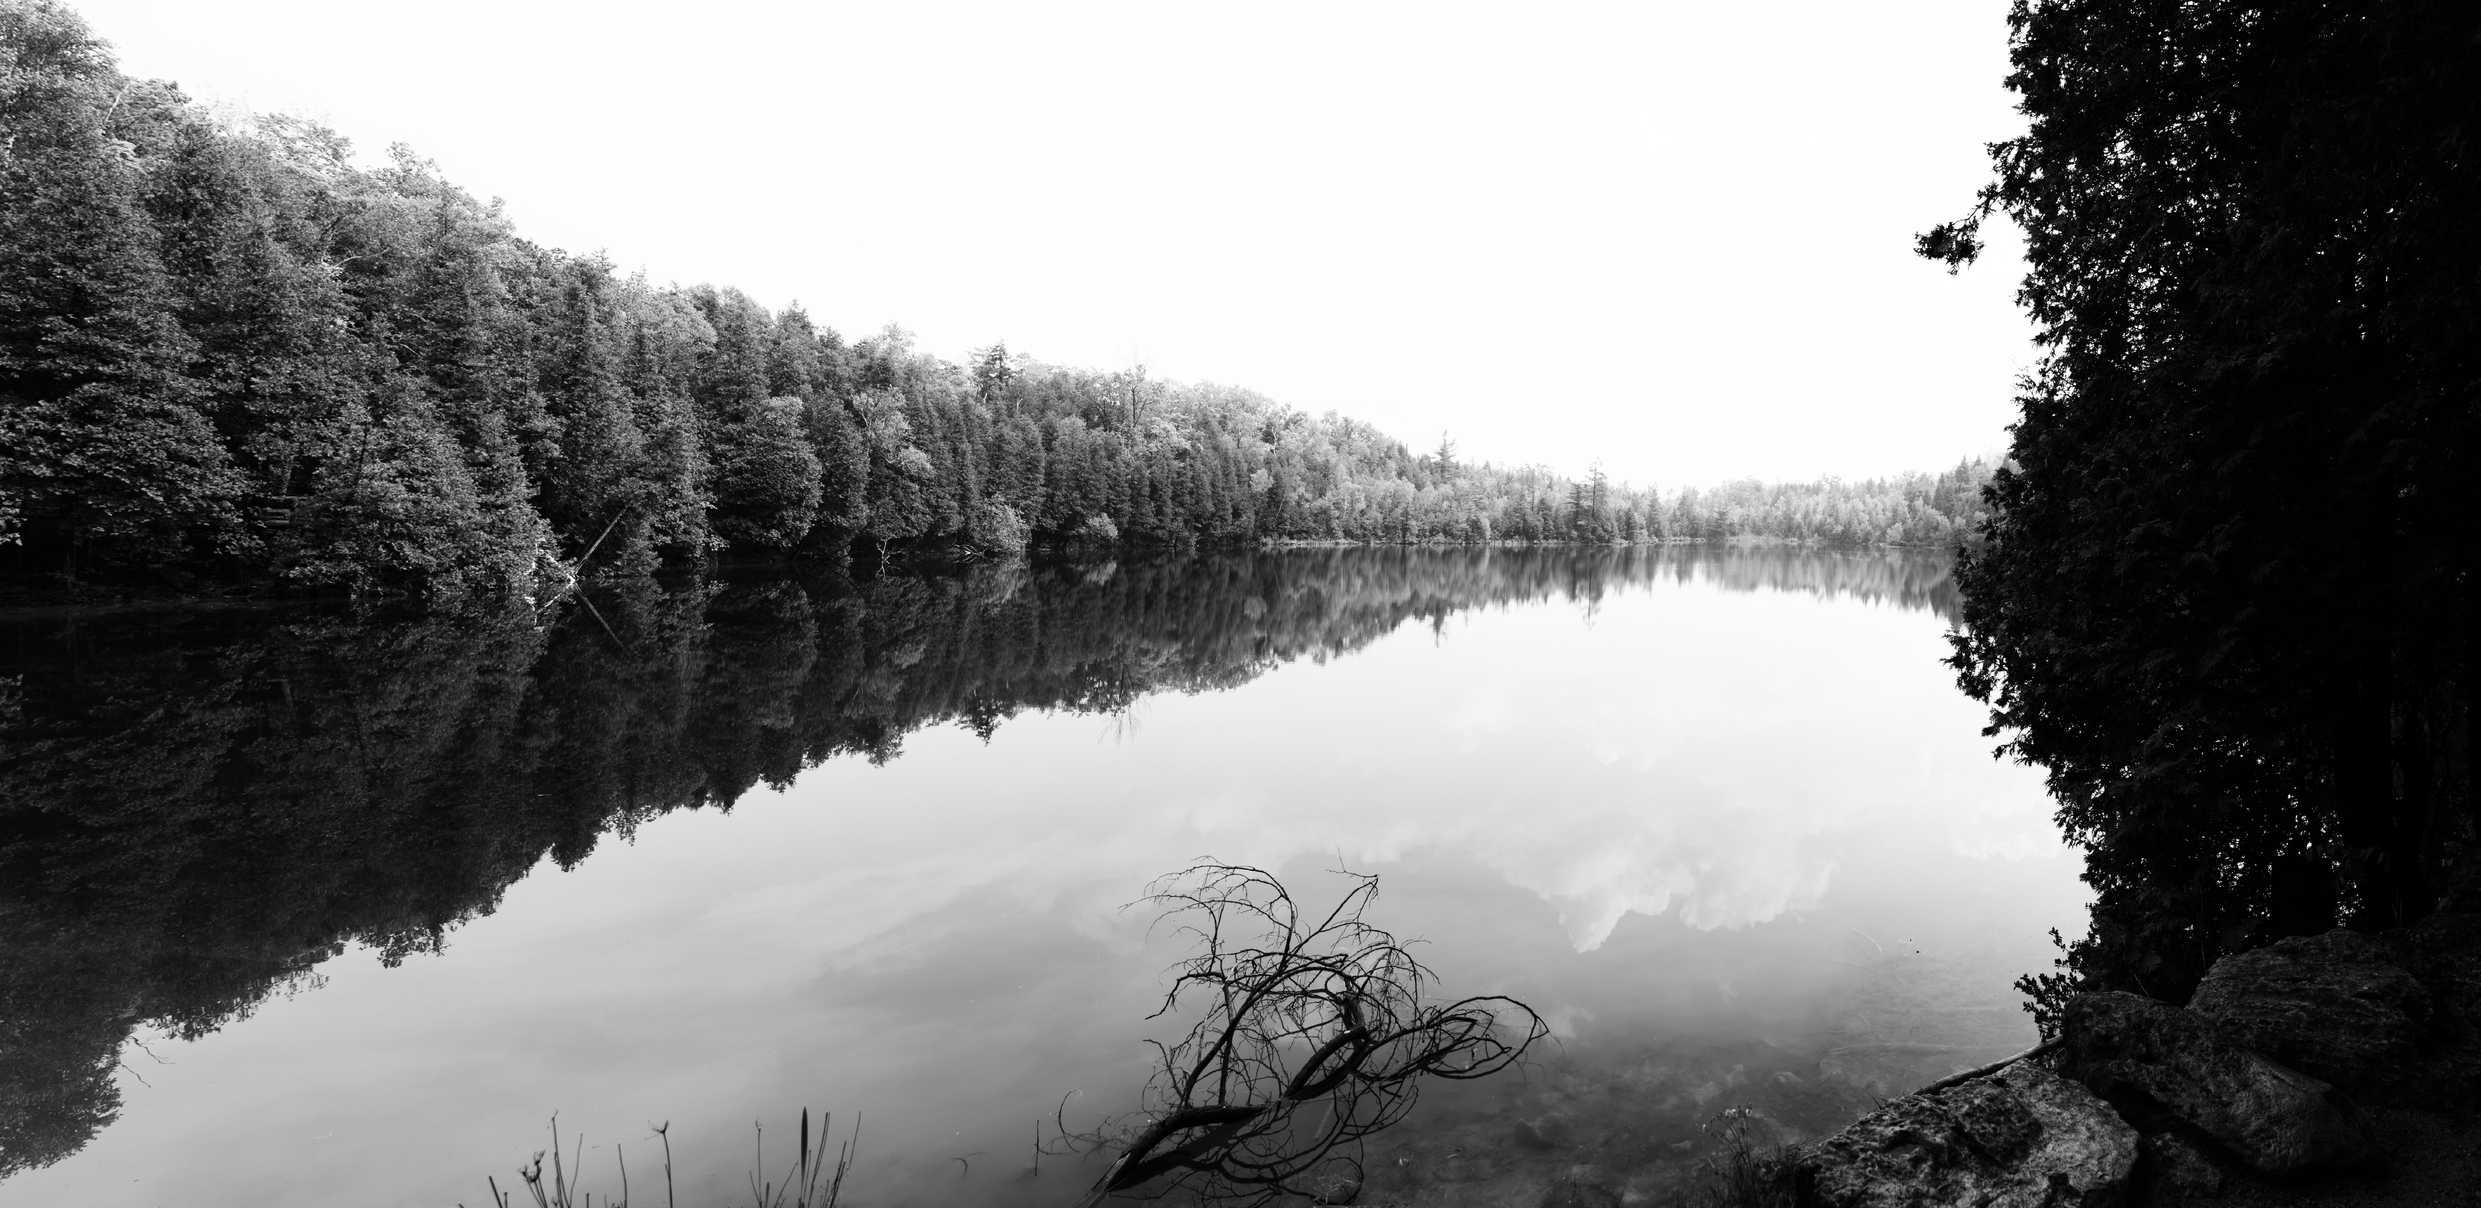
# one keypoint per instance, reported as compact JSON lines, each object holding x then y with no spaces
{"x":1310,"y":1034}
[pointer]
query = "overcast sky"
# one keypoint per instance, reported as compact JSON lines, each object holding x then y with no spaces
{"x":1671,"y":236}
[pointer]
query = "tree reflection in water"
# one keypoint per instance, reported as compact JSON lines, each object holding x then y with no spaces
{"x":199,"y":806}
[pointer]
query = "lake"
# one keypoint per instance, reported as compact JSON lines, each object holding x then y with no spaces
{"x":303,"y":908}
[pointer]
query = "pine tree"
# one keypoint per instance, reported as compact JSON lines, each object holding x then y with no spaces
{"x":104,"y":451}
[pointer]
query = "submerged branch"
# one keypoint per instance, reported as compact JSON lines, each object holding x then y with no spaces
{"x":1310,"y":1034}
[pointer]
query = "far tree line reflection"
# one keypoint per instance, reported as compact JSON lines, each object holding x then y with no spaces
{"x":198,"y":807}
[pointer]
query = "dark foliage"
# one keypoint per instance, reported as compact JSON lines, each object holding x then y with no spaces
{"x":2227,"y":596}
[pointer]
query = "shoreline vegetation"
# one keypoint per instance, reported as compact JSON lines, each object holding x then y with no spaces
{"x":232,"y":360}
{"x":2226,"y":598}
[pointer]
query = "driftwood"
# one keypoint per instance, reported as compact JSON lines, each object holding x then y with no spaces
{"x":1310,"y":1035}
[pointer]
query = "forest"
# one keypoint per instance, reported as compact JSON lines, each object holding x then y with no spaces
{"x":2226,"y":593}
{"x":198,"y":807}
{"x":233,"y":357}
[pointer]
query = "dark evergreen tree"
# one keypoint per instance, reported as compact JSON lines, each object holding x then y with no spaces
{"x":104,"y":449}
{"x":2226,"y":591}
{"x":843,"y":452}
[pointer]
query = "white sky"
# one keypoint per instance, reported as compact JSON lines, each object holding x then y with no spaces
{"x":1673,"y":236}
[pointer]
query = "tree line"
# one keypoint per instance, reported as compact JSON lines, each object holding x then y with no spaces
{"x":228,"y":354}
{"x":2227,"y":595}
{"x":198,"y":807}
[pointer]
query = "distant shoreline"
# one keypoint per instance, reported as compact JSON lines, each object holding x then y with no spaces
{"x":32,"y":597}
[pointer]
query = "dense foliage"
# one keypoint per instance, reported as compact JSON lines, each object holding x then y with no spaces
{"x":227,"y":353}
{"x":200,"y":806}
{"x":2227,"y":597}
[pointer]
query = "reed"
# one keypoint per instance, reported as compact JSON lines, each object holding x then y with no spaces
{"x":1740,"y":1172}
{"x":811,"y":1180}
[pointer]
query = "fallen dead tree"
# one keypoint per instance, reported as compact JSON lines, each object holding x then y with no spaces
{"x":1308,"y":1034}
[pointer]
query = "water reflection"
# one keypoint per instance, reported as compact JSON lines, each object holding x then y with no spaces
{"x":199,"y":809}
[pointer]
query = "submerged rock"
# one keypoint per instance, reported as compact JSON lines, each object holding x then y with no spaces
{"x":1336,"y":1187}
{"x":2020,"y":1138}
{"x":2144,"y":1055}
{"x":2335,"y":1007}
{"x":2174,"y":1165}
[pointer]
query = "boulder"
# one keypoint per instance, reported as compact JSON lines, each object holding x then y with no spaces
{"x":2335,"y":1007}
{"x":2020,"y":1138}
{"x":2150,"y":1058}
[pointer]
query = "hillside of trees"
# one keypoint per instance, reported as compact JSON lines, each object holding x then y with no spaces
{"x":200,"y":806}
{"x":229,"y":355}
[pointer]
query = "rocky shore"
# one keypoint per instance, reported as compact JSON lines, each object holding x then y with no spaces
{"x":2341,"y":1068}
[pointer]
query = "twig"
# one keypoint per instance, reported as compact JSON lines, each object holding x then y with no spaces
{"x":597,"y":614}
{"x":583,"y":558}
{"x":1994,"y":1067}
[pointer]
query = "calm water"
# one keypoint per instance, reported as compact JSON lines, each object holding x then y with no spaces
{"x":304,"y":911}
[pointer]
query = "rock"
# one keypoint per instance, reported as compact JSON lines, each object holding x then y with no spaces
{"x":1542,"y":1132}
{"x":2335,"y":1007}
{"x":2175,"y":1165}
{"x":2019,"y":1138}
{"x":2144,"y":1056}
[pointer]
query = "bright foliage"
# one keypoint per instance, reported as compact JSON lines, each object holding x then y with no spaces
{"x":229,"y":354}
